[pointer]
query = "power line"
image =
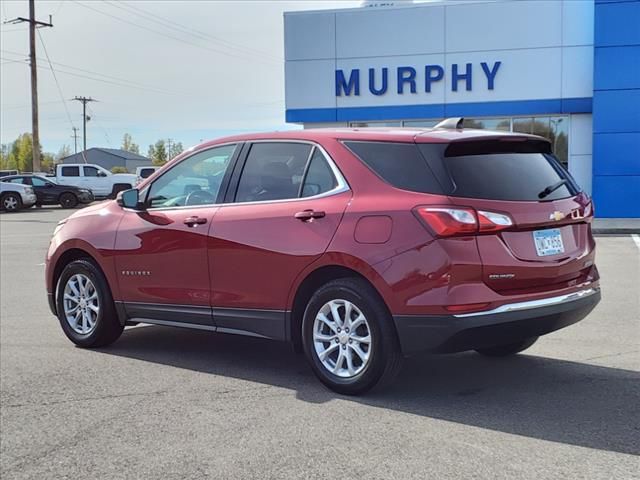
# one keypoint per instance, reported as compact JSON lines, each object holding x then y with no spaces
{"x":55,"y":77}
{"x":84,"y":101}
{"x":104,"y":131}
{"x":165,"y":35}
{"x":124,"y":82}
{"x":165,"y":22}
{"x":63,"y":72}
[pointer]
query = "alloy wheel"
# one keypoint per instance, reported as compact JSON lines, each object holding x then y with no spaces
{"x":10,"y":203}
{"x":342,"y":338}
{"x":81,"y":304}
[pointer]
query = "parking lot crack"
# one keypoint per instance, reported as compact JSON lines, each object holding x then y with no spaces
{"x":84,"y":399}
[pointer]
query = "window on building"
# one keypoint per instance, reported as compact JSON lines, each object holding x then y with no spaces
{"x":500,"y":124}
{"x":420,"y":123}
{"x":376,"y":124}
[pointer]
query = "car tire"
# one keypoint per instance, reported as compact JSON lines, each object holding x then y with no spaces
{"x":102,"y":326}
{"x":68,"y":200}
{"x":11,"y":202}
{"x":119,"y":187}
{"x":509,"y":349}
{"x":355,"y":373}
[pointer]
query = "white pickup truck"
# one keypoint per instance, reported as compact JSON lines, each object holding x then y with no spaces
{"x":100,"y":181}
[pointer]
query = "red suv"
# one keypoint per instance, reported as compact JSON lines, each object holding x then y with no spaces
{"x":360,"y":246}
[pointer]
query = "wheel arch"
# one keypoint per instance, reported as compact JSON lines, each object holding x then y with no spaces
{"x":64,"y":192}
{"x":66,"y":258}
{"x":310,"y":284}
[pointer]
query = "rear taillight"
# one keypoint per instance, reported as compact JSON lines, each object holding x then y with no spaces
{"x":452,"y":221}
{"x":492,"y":221}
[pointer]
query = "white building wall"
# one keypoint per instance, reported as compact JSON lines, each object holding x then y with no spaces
{"x":580,"y":149}
{"x":545,"y":46}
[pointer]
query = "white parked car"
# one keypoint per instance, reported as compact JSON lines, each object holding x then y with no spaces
{"x":143,"y":173}
{"x":99,"y":180}
{"x":14,"y":197}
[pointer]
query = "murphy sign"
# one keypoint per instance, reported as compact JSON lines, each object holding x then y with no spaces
{"x":379,"y":81}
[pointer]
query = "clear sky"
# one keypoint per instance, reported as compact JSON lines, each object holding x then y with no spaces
{"x":188,"y":70}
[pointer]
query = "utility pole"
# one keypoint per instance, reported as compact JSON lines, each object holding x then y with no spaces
{"x":75,"y":139}
{"x":33,"y":24}
{"x":84,"y":101}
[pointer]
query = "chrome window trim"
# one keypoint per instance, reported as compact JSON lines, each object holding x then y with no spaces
{"x":532,"y":304}
{"x":341,"y":187}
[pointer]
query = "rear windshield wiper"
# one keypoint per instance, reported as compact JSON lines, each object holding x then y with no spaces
{"x":552,"y":188}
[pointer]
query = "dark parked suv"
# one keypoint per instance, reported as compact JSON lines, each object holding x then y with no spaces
{"x":50,"y":193}
{"x":360,"y":246}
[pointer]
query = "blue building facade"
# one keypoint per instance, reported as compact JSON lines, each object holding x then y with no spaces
{"x":568,"y":70}
{"x":616,"y":108}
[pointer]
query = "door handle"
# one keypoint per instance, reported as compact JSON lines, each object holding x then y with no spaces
{"x":193,"y":221}
{"x":308,"y":215}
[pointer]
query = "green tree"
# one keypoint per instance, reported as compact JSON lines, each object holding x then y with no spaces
{"x":47,"y":162}
{"x":119,"y":169}
{"x":175,"y":149}
{"x":128,"y":145}
{"x":22,"y":150}
{"x":158,"y":153}
{"x":64,"y":151}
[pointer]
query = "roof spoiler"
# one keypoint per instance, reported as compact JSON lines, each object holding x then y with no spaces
{"x":454,"y":123}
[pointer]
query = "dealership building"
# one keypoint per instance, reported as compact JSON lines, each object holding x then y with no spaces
{"x":568,"y":70}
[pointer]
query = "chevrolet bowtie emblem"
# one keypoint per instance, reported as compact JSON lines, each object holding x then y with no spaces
{"x":556,"y":216}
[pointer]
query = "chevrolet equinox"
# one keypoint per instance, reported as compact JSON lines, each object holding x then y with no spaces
{"x":358,"y":246}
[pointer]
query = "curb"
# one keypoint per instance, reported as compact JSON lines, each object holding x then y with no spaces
{"x":616,"y":231}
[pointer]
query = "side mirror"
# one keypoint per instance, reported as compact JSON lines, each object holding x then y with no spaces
{"x":129,"y":199}
{"x":48,"y":185}
{"x":101,"y":174}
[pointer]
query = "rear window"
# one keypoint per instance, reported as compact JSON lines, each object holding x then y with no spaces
{"x":497,"y":169}
{"x":146,"y":172}
{"x":506,"y":176}
{"x":400,"y":164}
{"x":70,"y":171}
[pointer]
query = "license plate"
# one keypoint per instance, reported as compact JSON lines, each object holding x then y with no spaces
{"x":548,"y":242}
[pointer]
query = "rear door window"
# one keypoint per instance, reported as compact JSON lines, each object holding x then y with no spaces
{"x":70,"y":171}
{"x":399,"y":164}
{"x":273,"y":171}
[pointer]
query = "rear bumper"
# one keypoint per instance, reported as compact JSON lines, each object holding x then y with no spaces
{"x":28,"y":199}
{"x":506,"y":324}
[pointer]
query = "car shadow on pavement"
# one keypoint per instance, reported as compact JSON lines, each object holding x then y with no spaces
{"x":544,"y":398}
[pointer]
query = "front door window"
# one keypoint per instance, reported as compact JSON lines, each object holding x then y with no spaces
{"x":194,"y":181}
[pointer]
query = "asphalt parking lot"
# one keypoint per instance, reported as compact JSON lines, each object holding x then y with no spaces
{"x":173,"y":403}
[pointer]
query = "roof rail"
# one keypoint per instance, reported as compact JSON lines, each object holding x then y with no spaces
{"x":454,"y":123}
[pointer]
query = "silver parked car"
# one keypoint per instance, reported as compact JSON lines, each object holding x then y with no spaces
{"x":14,"y":197}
